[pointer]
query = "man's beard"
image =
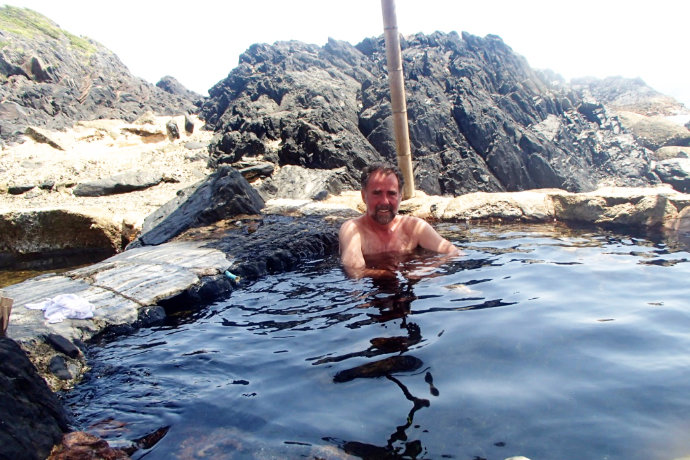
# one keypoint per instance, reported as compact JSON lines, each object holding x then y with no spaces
{"x":384,"y":218}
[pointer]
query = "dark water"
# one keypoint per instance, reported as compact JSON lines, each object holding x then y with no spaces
{"x":544,"y":342}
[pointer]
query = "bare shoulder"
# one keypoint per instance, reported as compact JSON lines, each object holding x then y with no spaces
{"x":413,"y":224}
{"x":349,"y":226}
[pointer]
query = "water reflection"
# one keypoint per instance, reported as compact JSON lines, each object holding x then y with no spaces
{"x":392,"y":299}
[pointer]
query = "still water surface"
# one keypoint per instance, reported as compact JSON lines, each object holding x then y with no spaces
{"x":540,"y":341}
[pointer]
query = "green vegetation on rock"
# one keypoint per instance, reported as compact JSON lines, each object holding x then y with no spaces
{"x":29,"y":24}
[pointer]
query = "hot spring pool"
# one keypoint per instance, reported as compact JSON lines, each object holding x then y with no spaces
{"x":541,"y":341}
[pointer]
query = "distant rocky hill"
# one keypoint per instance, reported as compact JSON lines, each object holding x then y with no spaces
{"x":631,"y":95}
{"x":51,"y":78}
{"x":480,"y":118}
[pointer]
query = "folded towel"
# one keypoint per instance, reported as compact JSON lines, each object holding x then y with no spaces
{"x":63,"y":306}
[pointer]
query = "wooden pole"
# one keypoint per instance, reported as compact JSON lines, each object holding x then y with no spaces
{"x":396,"y":79}
{"x":5,"y":310}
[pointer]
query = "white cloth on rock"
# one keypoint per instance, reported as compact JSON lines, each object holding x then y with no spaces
{"x":64,"y":306}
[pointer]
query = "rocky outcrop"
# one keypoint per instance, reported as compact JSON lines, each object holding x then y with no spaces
{"x":629,"y":95}
{"x":32,"y":419}
{"x":46,"y":237}
{"x":480,"y":118}
{"x":51,"y":78}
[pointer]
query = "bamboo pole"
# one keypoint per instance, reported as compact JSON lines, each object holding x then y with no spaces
{"x":5,"y":310}
{"x":396,"y":80}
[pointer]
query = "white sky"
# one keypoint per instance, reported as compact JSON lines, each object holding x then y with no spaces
{"x":199,"y":42}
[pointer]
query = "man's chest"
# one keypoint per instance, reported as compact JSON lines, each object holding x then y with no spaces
{"x":395,"y":241}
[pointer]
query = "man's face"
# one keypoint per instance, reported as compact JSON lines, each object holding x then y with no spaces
{"x":382,"y":197}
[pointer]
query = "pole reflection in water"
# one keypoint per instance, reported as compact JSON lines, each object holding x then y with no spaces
{"x":392,"y":297}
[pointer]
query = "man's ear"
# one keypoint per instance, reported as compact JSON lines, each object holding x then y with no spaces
{"x":362,"y":193}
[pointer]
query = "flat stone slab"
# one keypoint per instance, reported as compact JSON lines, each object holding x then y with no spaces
{"x":117,"y":288}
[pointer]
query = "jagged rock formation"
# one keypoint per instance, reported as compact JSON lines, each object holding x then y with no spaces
{"x":51,"y":78}
{"x":646,"y":114}
{"x":480,"y":118}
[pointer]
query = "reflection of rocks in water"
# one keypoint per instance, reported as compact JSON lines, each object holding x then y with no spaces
{"x":384,"y":367}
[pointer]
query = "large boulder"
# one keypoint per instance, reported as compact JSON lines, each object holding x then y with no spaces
{"x":480,"y":118}
{"x":224,"y":194}
{"x":32,"y":420}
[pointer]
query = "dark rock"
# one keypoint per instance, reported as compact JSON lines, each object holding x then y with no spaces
{"x":278,"y":244}
{"x":47,"y":185}
{"x":31,"y":417}
{"x":58,"y":366}
{"x":257,"y":171}
{"x":19,"y":189}
{"x":188,"y":124}
{"x":42,"y":137}
{"x":480,"y":118}
{"x":151,"y":316}
{"x":65,"y":78}
{"x":173,"y":130}
{"x":171,"y":85}
{"x":63,"y":345}
{"x":223,"y":194}
{"x":119,"y":183}
{"x":675,"y":172}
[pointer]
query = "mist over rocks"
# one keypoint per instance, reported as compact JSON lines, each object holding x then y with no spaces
{"x":51,"y":78}
{"x":480,"y":118}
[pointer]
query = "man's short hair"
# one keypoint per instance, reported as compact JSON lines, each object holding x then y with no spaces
{"x":385,"y":168}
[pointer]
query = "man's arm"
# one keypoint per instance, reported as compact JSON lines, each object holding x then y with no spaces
{"x":428,"y":238}
{"x":351,"y":245}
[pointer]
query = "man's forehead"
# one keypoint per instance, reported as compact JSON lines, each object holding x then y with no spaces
{"x":381,"y":176}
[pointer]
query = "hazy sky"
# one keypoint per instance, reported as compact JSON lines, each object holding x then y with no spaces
{"x":199,"y":42}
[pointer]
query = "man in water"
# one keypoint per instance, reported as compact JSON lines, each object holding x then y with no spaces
{"x":381,"y":231}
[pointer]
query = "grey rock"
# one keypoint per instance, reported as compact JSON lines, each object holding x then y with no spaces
{"x":223,"y":194}
{"x":63,"y":345}
{"x":58,"y":367}
{"x":675,"y":172}
{"x":257,"y":171}
{"x":296,"y":182}
{"x":193,"y":145}
{"x":173,"y":130}
{"x":119,"y":183}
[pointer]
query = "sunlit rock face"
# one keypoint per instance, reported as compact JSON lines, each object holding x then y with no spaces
{"x":480,"y":118}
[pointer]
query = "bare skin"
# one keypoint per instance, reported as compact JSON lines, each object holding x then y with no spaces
{"x":382,"y":231}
